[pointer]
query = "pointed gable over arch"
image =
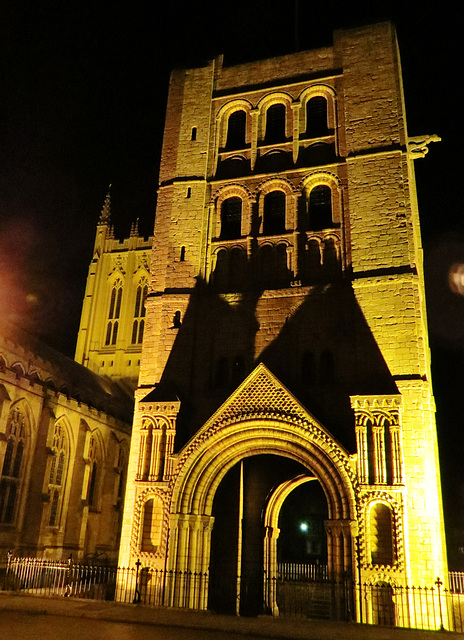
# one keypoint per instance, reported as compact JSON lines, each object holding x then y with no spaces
{"x":261,"y":416}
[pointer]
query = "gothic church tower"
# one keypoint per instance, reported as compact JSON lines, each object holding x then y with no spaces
{"x":113,"y":314}
{"x":285,"y":353}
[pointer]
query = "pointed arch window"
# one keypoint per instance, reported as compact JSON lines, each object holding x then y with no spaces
{"x":58,"y":472}
{"x":141,"y":296}
{"x":274,"y":213}
{"x":231,"y":218}
{"x":114,"y":314}
{"x":320,"y":208}
{"x":93,"y":462}
{"x":275,"y":124}
{"x":13,"y":463}
{"x":138,"y":324}
{"x":236,"y":130}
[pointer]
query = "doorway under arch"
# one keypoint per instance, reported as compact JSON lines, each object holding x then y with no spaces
{"x":237,"y":572}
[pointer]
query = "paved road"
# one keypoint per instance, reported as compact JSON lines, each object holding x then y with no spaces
{"x":26,"y":626}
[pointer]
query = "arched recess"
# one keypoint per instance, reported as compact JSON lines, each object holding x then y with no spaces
{"x":269,"y":101}
{"x":322,"y":178}
{"x":322,"y":91}
{"x":232,"y":191}
{"x":15,"y":462}
{"x":58,"y":464}
{"x":291,"y":198}
{"x":214,"y":451}
{"x":222,"y":119}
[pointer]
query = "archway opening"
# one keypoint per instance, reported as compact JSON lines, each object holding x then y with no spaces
{"x":238,"y":536}
{"x":302,"y":538}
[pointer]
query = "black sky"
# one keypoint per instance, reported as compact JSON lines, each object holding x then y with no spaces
{"x":84,"y":87}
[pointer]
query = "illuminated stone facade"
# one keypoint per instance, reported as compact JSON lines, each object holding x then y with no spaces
{"x":64,"y":447}
{"x":113,"y":313}
{"x":285,"y":344}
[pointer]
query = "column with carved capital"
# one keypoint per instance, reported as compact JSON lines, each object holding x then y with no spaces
{"x":362,"y":461}
{"x":254,"y":136}
{"x":380,"y":469}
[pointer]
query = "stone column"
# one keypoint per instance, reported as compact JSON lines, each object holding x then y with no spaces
{"x":296,"y":129}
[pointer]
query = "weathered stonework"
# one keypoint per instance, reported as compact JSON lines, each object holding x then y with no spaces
{"x":64,"y":449}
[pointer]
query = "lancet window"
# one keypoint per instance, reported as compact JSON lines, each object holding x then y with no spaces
{"x":58,"y":472}
{"x":13,"y":462}
{"x":94,"y":470}
{"x":138,"y":324}
{"x":114,"y":314}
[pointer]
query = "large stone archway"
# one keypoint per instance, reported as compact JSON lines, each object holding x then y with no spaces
{"x":261,"y":417}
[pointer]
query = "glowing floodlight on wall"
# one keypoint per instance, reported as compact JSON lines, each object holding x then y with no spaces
{"x":456,"y":278}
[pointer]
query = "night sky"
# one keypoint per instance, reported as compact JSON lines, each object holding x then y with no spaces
{"x":84,"y":88}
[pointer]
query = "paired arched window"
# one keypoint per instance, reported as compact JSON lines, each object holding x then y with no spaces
{"x":114,"y":314}
{"x":16,"y":434}
{"x":236,"y":130}
{"x":271,"y":266}
{"x":320,"y":208}
{"x":274,"y":213}
{"x":58,"y":471}
{"x":231,"y":218}
{"x":275,"y":124}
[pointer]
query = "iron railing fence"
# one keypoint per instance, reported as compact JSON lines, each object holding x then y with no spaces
{"x":296,"y":591}
{"x":456,"y":581}
{"x":152,"y":587}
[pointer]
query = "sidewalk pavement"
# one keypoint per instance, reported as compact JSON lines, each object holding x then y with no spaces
{"x":262,"y":626}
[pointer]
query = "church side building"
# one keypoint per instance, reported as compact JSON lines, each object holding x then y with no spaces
{"x":64,"y":447}
{"x":285,"y":373}
{"x":113,"y":314}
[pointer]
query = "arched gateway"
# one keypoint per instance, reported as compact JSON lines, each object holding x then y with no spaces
{"x":338,"y":314}
{"x":261,"y":418}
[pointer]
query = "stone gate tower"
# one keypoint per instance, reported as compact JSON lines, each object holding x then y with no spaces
{"x":285,"y":354}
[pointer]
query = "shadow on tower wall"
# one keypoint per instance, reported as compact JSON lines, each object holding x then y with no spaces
{"x":314,"y":339}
